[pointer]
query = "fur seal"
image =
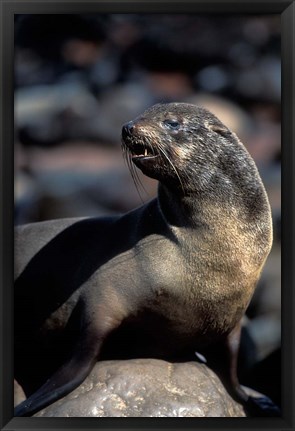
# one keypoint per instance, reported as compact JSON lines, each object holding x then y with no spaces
{"x":169,"y":278}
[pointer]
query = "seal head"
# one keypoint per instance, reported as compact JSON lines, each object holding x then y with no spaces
{"x":191,"y":152}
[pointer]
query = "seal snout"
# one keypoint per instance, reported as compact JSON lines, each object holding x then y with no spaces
{"x":135,"y":143}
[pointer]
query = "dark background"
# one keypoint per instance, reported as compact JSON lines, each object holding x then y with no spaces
{"x":78,"y":78}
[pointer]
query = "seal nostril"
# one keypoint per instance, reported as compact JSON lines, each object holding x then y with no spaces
{"x":127,"y":129}
{"x":130,"y":126}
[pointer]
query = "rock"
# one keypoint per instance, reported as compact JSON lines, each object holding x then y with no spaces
{"x":147,"y":388}
{"x":19,"y":394}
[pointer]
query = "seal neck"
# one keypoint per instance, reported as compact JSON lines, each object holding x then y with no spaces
{"x":183,"y":211}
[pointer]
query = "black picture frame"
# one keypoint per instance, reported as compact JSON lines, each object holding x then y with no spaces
{"x":286,"y":9}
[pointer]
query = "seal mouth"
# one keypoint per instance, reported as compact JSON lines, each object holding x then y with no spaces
{"x":141,"y":152}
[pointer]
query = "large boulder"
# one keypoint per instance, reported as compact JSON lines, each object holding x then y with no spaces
{"x":147,"y":388}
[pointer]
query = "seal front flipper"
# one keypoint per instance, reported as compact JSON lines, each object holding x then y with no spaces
{"x":67,"y":378}
{"x":71,"y":374}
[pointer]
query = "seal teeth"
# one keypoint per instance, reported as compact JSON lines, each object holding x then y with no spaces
{"x":145,"y":152}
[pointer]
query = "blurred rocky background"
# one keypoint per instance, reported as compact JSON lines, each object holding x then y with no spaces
{"x":78,"y":78}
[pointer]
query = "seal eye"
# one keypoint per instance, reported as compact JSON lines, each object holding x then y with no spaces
{"x":172,"y":124}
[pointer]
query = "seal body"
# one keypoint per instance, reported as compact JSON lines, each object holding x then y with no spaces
{"x":167,"y":279}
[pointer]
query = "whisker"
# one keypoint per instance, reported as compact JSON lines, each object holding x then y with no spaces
{"x":163,"y":151}
{"x":134,"y":174}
